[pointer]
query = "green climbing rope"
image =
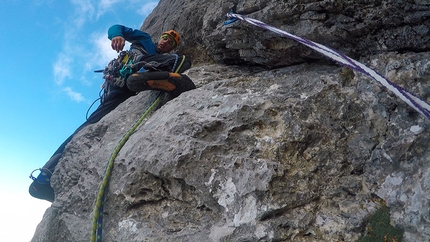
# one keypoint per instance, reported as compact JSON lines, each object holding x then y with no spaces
{"x":97,"y":222}
{"x":98,"y":208}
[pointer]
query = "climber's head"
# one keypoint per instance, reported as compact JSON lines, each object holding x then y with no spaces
{"x":169,"y":40}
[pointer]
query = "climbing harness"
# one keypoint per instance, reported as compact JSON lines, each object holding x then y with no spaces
{"x":180,"y":64}
{"x":97,"y":222}
{"x":411,"y":99}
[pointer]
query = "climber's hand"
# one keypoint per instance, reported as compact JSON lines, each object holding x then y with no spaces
{"x":118,"y":43}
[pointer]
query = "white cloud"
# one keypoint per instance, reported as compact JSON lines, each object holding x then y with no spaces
{"x":103,"y":52}
{"x":20,"y":215}
{"x":83,"y":10}
{"x":105,"y":5}
{"x":147,"y":8}
{"x":75,"y":96}
{"x":62,"y":69}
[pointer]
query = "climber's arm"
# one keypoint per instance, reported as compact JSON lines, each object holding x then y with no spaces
{"x":119,"y":34}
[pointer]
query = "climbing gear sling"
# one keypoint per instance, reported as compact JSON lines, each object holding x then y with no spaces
{"x":411,"y":99}
{"x":118,"y":69}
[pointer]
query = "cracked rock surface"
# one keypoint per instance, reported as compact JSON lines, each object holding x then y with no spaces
{"x":296,"y":152}
{"x":303,"y":152}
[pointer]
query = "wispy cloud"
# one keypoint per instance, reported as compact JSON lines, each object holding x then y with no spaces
{"x":75,"y":96}
{"x":62,"y":69}
{"x":105,"y":5}
{"x":83,"y":11}
{"x":147,"y":8}
{"x":102,"y":51}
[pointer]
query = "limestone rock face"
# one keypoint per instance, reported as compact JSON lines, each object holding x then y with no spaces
{"x":297,"y":152}
{"x":306,"y":152}
{"x":355,"y":27}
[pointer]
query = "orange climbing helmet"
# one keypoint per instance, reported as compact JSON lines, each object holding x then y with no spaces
{"x":173,"y":35}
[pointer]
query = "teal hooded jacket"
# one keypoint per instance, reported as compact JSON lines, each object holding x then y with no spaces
{"x":134,"y":36}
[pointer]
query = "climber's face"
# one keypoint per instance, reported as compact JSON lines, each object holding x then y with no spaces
{"x":164,"y":45}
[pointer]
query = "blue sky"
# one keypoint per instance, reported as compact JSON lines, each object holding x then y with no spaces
{"x":50,"y":50}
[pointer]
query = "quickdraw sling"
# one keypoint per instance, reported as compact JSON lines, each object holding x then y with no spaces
{"x":118,"y":69}
{"x":417,"y":103}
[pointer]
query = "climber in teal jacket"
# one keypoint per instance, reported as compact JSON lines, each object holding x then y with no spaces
{"x":169,"y":40}
{"x":150,"y":52}
{"x":157,"y":71}
{"x":132,"y":36}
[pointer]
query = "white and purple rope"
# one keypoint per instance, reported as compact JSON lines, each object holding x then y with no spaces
{"x":411,"y":99}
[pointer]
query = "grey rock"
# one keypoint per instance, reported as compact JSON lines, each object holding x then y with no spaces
{"x":356,"y":28}
{"x":255,"y":154}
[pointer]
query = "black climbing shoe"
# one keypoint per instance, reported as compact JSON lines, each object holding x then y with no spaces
{"x":40,"y":187}
{"x":172,"y":83}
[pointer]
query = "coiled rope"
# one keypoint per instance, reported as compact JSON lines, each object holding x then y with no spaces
{"x":411,"y":99}
{"x":97,"y":221}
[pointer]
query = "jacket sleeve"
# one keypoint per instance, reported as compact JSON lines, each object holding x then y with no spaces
{"x":133,"y":36}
